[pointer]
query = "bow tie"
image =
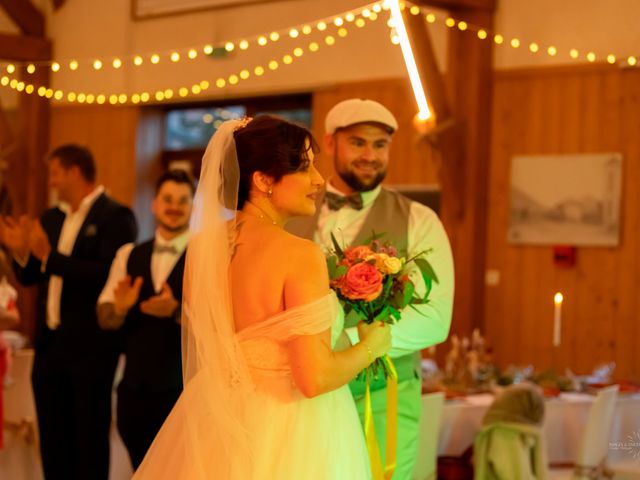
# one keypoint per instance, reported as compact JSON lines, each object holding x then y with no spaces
{"x":164,"y":249}
{"x":336,"y":202}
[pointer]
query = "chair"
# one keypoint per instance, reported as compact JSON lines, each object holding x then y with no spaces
{"x":510,"y":445}
{"x":425,"y":468}
{"x":592,"y":455}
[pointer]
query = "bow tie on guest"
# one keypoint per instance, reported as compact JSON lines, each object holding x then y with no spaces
{"x":164,"y":249}
{"x":336,"y":202}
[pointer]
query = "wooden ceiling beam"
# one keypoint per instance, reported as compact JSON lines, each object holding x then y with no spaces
{"x":22,"y":48}
{"x":427,"y":65}
{"x":454,"y":5}
{"x":27,"y":17}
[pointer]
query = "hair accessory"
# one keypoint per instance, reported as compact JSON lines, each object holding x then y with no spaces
{"x":242,"y":122}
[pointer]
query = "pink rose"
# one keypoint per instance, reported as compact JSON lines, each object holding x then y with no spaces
{"x":362,"y":281}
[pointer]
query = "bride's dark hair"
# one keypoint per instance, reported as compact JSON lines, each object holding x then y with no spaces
{"x":273,"y":146}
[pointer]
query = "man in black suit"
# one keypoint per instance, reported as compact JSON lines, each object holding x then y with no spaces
{"x":68,"y":253}
{"x":142,"y":298}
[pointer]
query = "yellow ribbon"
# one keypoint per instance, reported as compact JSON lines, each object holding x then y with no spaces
{"x":377,"y":471}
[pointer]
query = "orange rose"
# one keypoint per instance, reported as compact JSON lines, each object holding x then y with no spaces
{"x":363,"y":281}
{"x":356,"y":254}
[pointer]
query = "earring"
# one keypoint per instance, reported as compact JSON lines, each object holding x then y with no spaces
{"x":269,"y":192}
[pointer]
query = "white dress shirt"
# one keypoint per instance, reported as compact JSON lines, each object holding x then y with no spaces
{"x":430,"y":324}
{"x":162,"y":265}
{"x":68,"y":236}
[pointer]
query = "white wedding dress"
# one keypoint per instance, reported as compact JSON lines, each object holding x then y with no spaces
{"x":241,"y":416}
{"x":292,"y":437}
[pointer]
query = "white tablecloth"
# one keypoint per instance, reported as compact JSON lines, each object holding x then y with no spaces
{"x":565,"y":418}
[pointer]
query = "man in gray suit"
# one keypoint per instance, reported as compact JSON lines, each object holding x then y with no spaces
{"x":358,"y":137}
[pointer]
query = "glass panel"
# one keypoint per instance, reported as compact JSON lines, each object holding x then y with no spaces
{"x":301,"y":116}
{"x":192,"y":128}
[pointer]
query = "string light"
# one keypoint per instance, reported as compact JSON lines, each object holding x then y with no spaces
{"x":482,"y":34}
{"x":358,"y":17}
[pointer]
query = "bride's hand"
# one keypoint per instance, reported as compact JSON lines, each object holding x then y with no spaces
{"x":377,"y":336}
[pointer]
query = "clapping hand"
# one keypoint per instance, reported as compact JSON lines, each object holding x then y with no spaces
{"x":14,"y":234}
{"x":162,"y":305}
{"x":126,"y":294}
{"x":38,"y":241}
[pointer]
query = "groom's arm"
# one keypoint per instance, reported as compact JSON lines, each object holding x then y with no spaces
{"x":428,"y":324}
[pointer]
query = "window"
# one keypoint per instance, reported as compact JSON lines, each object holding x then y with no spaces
{"x":188,"y":128}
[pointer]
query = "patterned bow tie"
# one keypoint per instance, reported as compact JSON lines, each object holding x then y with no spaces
{"x":164,"y":249}
{"x":336,"y":202}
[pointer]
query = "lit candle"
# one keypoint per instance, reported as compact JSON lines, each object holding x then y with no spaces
{"x":557,"y":318}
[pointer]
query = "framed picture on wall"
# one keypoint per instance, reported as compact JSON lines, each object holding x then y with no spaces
{"x":143,"y":9}
{"x":566,"y":200}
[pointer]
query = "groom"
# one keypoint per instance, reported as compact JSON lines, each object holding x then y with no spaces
{"x":358,"y":137}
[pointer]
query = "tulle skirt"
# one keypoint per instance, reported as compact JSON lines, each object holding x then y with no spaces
{"x":298,"y":438}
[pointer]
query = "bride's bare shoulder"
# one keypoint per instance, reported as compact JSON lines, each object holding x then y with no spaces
{"x":297,"y":246}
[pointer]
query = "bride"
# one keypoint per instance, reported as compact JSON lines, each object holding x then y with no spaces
{"x":265,"y":364}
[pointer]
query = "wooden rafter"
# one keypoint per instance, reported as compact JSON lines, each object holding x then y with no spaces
{"x":27,"y":17}
{"x":24,"y":48}
{"x":427,"y":65}
{"x":454,"y":5}
{"x":461,"y":100}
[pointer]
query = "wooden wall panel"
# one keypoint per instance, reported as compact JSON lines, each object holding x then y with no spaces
{"x":565,"y":110}
{"x":110,"y":133}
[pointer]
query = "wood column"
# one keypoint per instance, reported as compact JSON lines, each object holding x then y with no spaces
{"x":462,"y":138}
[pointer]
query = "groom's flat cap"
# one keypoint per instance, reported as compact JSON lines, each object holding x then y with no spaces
{"x":356,"y":110}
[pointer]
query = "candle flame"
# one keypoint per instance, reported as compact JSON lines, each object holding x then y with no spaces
{"x":557,"y":298}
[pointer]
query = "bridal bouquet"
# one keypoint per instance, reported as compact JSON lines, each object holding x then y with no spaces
{"x":373,"y":284}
